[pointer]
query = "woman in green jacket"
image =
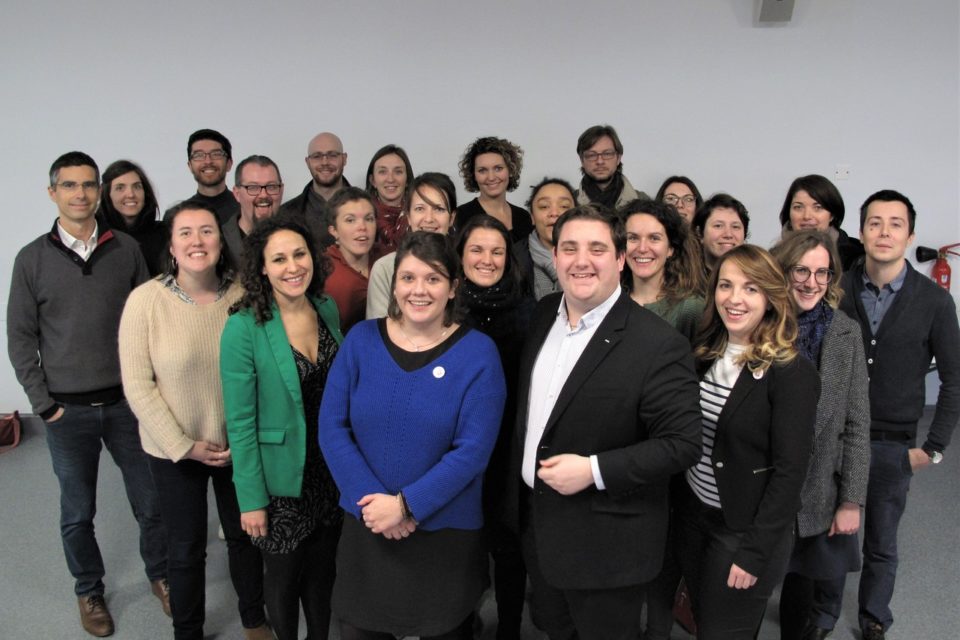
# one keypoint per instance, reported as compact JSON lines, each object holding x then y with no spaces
{"x":276,"y":350}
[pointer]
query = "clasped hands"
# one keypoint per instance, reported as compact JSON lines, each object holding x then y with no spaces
{"x":567,"y":473}
{"x":383,"y":514}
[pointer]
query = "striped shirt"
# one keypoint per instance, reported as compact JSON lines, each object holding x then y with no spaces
{"x":715,"y":388}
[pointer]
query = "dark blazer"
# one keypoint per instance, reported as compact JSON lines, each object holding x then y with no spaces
{"x":760,"y":455}
{"x":632,"y":399}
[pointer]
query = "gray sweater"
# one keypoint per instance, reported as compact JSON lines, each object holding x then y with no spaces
{"x":63,"y":316}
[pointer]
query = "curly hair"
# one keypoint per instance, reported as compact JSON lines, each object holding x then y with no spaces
{"x":512,"y":156}
{"x":773,"y":339}
{"x":789,"y":251}
{"x":257,"y":291}
{"x":682,"y":271}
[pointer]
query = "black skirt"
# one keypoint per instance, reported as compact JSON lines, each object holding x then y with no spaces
{"x":424,"y":585}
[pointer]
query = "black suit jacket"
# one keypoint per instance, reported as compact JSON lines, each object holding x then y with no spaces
{"x":761,"y":452}
{"x":632,"y":399}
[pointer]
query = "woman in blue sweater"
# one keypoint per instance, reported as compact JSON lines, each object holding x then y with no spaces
{"x":409,"y":417}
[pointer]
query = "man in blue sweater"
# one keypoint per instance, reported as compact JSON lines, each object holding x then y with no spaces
{"x":66,"y":296}
{"x":906,"y":321}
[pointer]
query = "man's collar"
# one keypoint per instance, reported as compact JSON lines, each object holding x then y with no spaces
{"x":591,"y":318}
{"x":894,"y":284}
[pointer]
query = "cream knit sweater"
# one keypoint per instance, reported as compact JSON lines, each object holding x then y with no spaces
{"x":170,"y":364}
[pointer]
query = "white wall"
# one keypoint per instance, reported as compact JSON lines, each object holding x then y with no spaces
{"x":693,"y":87}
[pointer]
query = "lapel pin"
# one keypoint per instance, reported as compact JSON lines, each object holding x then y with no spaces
{"x":758,"y":374}
{"x":439,"y":372}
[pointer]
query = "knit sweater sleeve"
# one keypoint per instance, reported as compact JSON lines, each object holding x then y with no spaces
{"x":945,"y":343}
{"x":378,"y":289}
{"x":139,"y":377}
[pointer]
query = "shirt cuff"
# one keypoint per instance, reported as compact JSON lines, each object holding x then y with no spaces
{"x":595,"y":468}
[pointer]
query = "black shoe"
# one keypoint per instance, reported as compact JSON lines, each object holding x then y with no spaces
{"x":873,"y":631}
{"x":813,"y":632}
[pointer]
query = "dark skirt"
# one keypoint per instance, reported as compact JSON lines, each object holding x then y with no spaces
{"x":823,"y":557}
{"x":424,"y":585}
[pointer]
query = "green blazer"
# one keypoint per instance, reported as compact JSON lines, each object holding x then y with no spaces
{"x":264,"y":408}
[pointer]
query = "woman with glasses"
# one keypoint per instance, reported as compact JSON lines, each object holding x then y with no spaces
{"x":387,"y":177}
{"x":129,"y":205}
{"x":836,"y":482}
{"x":682,"y":194}
{"x":492,"y":167}
{"x":813,"y":202}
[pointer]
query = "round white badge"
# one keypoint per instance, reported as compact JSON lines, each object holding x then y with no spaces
{"x":438,"y":372}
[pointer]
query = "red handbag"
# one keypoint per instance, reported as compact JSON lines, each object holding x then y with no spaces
{"x":9,"y":431}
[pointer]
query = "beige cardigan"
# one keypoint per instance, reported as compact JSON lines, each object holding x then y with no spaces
{"x":170,"y":365}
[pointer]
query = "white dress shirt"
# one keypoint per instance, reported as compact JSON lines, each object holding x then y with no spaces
{"x":559,"y":354}
{"x":79,"y":247}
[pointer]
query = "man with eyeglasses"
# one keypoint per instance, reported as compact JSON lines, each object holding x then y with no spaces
{"x":209,"y":160}
{"x":603,"y":182}
{"x":66,"y":296}
{"x":325,"y":160}
{"x":258,"y":190}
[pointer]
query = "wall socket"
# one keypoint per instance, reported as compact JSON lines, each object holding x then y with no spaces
{"x":842,"y":172}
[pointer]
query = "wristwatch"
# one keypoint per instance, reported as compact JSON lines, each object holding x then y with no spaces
{"x":935,"y":456}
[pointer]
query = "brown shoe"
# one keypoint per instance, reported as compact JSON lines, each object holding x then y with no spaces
{"x":262,"y":632}
{"x":161,"y":589}
{"x":94,"y":615}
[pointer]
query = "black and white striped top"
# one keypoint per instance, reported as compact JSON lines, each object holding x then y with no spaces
{"x":714,"y":390}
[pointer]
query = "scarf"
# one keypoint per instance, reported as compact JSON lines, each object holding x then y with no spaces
{"x":607,"y":197}
{"x":392,"y":225}
{"x":492,"y":309}
{"x":544,"y":273}
{"x":812,"y":327}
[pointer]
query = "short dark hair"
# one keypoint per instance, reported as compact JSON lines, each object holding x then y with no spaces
{"x":512,"y":157}
{"x":439,"y":181}
{"x":437,"y":251}
{"x":342,"y":197}
{"x":260,"y":161}
{"x":535,"y":189}
{"x":390,"y":149}
{"x":600,"y":214}
{"x":209,"y":134}
{"x":822,"y":191}
{"x":226,"y":263}
{"x":681,"y":180}
{"x":720,"y":201}
{"x":258,"y":294}
{"x":114,"y":218}
{"x":72,"y":159}
{"x":590,"y":137}
{"x":511,"y":270}
{"x":889,"y":195}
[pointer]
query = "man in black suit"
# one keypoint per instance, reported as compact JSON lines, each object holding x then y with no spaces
{"x":608,"y":411}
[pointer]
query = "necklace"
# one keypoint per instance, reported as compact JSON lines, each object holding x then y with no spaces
{"x":418,"y":347}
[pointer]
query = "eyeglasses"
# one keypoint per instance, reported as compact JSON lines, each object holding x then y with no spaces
{"x":590,"y":156}
{"x":329,"y":155}
{"x":254,"y":189}
{"x":216,"y":154}
{"x":801,"y":274}
{"x":675,"y":200}
{"x":71,"y":185}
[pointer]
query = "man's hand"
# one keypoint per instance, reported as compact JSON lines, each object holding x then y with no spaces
{"x":566,"y":473}
{"x":56,"y":416}
{"x":740,"y":579}
{"x":918,"y":458}
{"x":846,"y":520}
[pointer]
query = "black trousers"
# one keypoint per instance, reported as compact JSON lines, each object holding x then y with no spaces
{"x":463,"y":631}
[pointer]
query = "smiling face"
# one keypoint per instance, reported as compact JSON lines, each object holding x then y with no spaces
{"x":740,"y":303}
{"x":681,"y":197}
{"x":886,"y":232}
{"x":208,"y":171}
{"x":389,"y":179}
{"x":549,"y":203}
{"x":422,"y":291}
{"x":326,"y":160}
{"x":484,"y":257}
{"x":491,"y":174}
{"x":288,"y":265}
{"x":807,"y":213}
{"x":722,"y":231}
{"x":428,"y":211}
{"x":126,"y":195}
{"x":648,"y":247}
{"x":808,"y":293}
{"x":355,"y":228}
{"x":588,"y":267}
{"x":195,"y":241}
{"x":263,"y":205}
{"x":76,"y":193}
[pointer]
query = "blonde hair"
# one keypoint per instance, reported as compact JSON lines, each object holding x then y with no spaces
{"x":772,"y":340}
{"x":790,"y":251}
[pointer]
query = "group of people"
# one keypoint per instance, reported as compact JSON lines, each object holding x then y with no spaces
{"x":611,"y":397}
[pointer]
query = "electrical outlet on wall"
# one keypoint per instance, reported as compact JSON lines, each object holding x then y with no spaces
{"x":842,"y":172}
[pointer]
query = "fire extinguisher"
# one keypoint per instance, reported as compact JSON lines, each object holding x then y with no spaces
{"x":940,"y":273}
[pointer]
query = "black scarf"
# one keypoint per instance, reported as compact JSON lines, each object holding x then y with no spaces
{"x":492,"y":309}
{"x":607,"y":197}
{"x":812,"y":327}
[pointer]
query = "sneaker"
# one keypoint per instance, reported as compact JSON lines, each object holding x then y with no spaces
{"x":94,"y":615}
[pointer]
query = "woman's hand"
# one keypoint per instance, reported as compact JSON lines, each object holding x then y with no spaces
{"x":210,"y":454}
{"x":740,"y":579}
{"x":847,"y":519}
{"x":254,"y":523}
{"x":401,"y":531}
{"x":381,"y":512}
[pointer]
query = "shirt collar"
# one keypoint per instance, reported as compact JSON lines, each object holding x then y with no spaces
{"x":894,"y":284}
{"x":71,"y":242}
{"x":591,"y":318}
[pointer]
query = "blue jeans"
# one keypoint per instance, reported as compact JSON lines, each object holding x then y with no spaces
{"x":890,"y":475}
{"x":75,"y":442}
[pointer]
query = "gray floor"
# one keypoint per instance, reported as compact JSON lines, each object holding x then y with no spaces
{"x":37,"y":595}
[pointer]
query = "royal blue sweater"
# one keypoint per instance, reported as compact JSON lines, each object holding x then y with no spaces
{"x":427,"y":432}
